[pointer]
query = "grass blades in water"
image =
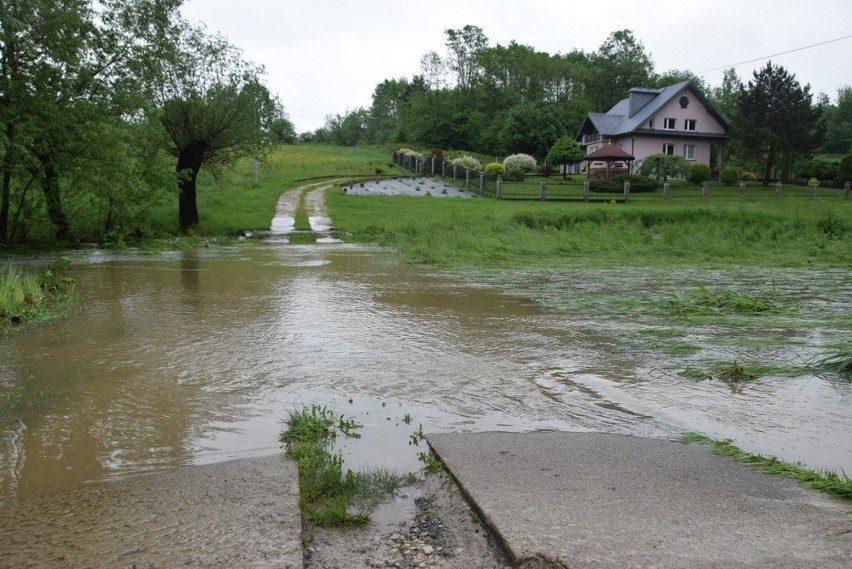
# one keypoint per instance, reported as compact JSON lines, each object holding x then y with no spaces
{"x":328,"y":494}
{"x":35,"y":297}
{"x":839,"y":485}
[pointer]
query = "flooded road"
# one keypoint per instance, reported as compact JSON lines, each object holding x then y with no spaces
{"x":189,"y":358}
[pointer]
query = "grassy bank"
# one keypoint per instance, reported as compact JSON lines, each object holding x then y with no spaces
{"x":230,"y":202}
{"x":762,"y":231}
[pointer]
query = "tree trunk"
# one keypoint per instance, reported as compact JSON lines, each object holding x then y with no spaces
{"x":5,"y":203}
{"x":188,"y":166}
{"x":53,"y":198}
{"x":770,"y":162}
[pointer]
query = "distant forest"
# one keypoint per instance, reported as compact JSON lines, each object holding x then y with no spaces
{"x":498,"y":100}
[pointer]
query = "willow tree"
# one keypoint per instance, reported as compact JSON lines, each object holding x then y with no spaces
{"x":215,"y":111}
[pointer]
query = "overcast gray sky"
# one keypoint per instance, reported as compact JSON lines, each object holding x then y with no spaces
{"x":325,"y":57}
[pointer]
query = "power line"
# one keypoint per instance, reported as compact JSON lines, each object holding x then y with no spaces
{"x":776,"y":54}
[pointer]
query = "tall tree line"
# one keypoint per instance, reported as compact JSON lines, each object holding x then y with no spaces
{"x":498,"y":100}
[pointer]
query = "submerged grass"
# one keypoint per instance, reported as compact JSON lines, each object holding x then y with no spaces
{"x":328,"y":495}
{"x":705,"y":302}
{"x":839,"y":485}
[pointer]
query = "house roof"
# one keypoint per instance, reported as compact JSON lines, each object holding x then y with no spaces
{"x":609,"y":151}
{"x":647,"y":102}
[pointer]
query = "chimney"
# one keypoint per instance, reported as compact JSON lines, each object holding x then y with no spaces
{"x":639,"y":97}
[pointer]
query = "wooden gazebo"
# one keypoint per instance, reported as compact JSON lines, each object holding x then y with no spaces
{"x":609,"y":154}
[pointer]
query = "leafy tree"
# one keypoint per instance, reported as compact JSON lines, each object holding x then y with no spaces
{"x":565,"y":151}
{"x":776,"y":119}
{"x":214,"y":109}
{"x":67,"y":70}
{"x":838,"y":120}
{"x":620,"y":63}
{"x":844,"y":171}
{"x":664,"y":166}
{"x":465,"y":46}
{"x":349,"y":129}
{"x":530,"y":128}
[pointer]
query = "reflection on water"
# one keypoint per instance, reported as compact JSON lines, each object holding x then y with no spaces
{"x":196,"y":357}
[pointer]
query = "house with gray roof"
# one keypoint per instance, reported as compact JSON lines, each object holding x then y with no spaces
{"x":677,"y":119}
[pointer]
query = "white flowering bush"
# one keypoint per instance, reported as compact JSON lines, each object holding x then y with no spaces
{"x":523,"y":162}
{"x":410,"y":152}
{"x":468,"y":162}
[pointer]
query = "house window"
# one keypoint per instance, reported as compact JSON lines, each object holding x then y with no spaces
{"x":668,"y":149}
{"x":651,"y":123}
{"x":670,"y":124}
{"x":689,"y":124}
{"x":689,"y":151}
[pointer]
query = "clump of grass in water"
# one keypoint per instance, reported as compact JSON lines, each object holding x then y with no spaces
{"x":839,"y":485}
{"x":734,"y":372}
{"x":328,"y":496}
{"x":27,"y":297}
{"x":840,"y":363}
{"x":704,"y":301}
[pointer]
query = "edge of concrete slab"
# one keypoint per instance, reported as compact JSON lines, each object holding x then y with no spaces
{"x":564,"y":499}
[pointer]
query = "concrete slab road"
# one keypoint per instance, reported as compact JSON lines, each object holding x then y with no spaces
{"x":583,"y":500}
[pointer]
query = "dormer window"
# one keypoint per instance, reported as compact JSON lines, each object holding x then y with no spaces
{"x":689,"y":124}
{"x":669,"y":124}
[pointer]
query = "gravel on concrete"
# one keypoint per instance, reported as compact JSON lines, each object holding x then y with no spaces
{"x":583,"y":500}
{"x":440,"y":533}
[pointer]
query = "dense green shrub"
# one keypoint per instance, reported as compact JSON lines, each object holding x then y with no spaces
{"x":748,"y":176}
{"x":468,"y":162}
{"x":729,"y":175}
{"x":844,"y":171}
{"x":699,"y":173}
{"x":495,"y":170}
{"x":523,"y":162}
{"x":616,"y":184}
{"x":515,"y":174}
{"x":546,"y":170}
{"x":823,"y":170}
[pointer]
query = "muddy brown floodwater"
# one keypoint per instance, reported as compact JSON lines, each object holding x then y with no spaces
{"x":179,"y":358}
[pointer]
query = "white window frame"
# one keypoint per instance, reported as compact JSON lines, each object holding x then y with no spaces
{"x":686,"y":152}
{"x":669,"y":121}
{"x":666,"y":148}
{"x":689,"y":122}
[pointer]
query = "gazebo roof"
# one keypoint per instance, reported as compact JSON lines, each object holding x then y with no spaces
{"x":609,"y":151}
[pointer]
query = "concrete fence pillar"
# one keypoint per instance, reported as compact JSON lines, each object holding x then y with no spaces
{"x":482,"y":184}
{"x":779,"y":188}
{"x":812,"y":190}
{"x":626,"y":191}
{"x":455,"y":172}
{"x":499,"y":188}
{"x":542,"y":190}
{"x":666,"y":189}
{"x":742,"y":188}
{"x":586,"y":190}
{"x":705,"y":190}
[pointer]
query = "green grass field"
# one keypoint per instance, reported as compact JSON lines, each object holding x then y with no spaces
{"x":727,"y":229}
